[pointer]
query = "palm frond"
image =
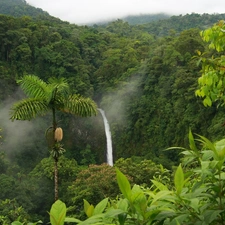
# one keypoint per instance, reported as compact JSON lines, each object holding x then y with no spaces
{"x":60,"y":85}
{"x":80,"y":106}
{"x":33,"y":86}
{"x":28,"y":109}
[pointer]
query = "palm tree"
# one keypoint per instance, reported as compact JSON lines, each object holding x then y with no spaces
{"x":51,"y":96}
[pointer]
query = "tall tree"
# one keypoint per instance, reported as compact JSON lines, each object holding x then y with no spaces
{"x":50,"y":96}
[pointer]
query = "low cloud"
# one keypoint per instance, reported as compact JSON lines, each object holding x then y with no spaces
{"x":14,"y":134}
{"x":116,"y":104}
{"x":90,"y":11}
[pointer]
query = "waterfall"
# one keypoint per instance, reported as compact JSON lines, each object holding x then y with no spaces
{"x":109,"y":154}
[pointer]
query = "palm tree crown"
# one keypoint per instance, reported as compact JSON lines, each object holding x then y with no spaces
{"x":47,"y":96}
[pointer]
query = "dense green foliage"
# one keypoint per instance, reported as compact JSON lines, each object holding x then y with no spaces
{"x":143,"y":76}
{"x":145,"y":18}
{"x":195,"y":195}
{"x":20,"y":8}
{"x":182,"y":22}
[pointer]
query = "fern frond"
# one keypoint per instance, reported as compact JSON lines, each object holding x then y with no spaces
{"x":28,"y":109}
{"x":33,"y":86}
{"x":80,"y":106}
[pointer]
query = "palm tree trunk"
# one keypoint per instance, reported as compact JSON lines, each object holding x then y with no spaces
{"x":56,"y":180}
{"x":55,"y":158}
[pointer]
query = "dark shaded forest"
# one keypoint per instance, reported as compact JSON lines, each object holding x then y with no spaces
{"x":144,"y":75}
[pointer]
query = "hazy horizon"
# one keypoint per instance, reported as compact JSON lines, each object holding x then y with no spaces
{"x":93,"y":11}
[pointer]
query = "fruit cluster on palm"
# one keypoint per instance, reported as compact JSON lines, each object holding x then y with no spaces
{"x":51,"y":96}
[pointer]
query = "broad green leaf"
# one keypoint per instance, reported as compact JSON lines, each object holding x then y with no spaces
{"x":192,"y":142}
{"x":122,"y":204}
{"x":139,"y":200}
{"x":211,"y":215}
{"x":180,"y":219}
{"x":16,"y":223}
{"x":220,"y":83}
{"x":94,"y":220}
{"x":207,"y":101}
{"x":72,"y":220}
{"x":207,"y":155}
{"x":205,"y":165}
{"x":208,"y":144}
{"x":220,"y":147}
{"x":90,"y":211}
{"x":136,"y":189}
{"x":159,"y":185}
{"x":194,"y":203}
{"x":37,"y":223}
{"x":86,"y":205}
{"x":209,"y":81}
{"x":161,"y":195}
{"x":58,"y":213}
{"x":221,"y":176}
{"x":122,"y":218}
{"x":88,"y":208}
{"x":165,"y":214}
{"x":152,"y":214}
{"x":100,"y":207}
{"x":179,"y":179}
{"x":205,"y":89}
{"x":198,"y":93}
{"x":114,"y":212}
{"x":124,"y":184}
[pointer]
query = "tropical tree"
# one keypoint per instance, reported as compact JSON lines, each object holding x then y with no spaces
{"x":51,"y":96}
{"x":211,"y":83}
{"x":94,"y":183}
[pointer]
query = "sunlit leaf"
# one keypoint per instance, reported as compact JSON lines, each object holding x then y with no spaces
{"x":100,"y":207}
{"x":159,"y":185}
{"x":124,"y":184}
{"x":58,"y":213}
{"x":88,"y":208}
{"x":179,"y":179}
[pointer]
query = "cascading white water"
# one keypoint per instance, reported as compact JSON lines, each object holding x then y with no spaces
{"x":109,"y":154}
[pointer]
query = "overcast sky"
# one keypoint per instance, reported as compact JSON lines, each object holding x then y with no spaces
{"x":88,"y":11}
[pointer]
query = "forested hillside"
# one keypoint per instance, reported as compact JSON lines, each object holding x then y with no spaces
{"x":145,"y":18}
{"x":143,"y":76}
{"x":145,"y":83}
{"x":20,"y":8}
{"x":182,"y":22}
